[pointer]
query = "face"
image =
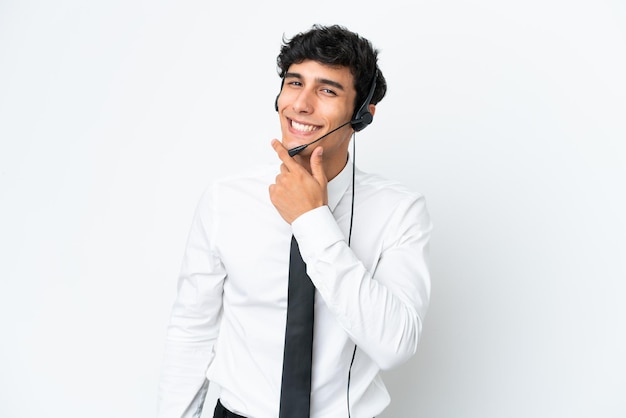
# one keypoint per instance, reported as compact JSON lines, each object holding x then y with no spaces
{"x":314,"y":100}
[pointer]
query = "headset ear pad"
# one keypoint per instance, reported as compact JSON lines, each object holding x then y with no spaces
{"x":363,"y":116}
{"x":362,"y":120}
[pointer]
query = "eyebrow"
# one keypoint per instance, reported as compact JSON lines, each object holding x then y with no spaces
{"x":318,"y":80}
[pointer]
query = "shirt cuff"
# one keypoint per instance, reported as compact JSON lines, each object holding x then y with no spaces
{"x":315,"y":231}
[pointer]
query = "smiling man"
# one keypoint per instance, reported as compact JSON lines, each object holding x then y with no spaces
{"x":357,"y":241}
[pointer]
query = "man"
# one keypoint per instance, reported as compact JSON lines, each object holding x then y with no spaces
{"x":364,"y":241}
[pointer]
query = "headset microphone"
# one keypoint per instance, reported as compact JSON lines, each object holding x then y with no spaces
{"x":296,"y":150}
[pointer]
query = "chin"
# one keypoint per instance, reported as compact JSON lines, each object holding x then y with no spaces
{"x":293,"y":142}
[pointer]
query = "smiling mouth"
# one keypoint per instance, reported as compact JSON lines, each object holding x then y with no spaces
{"x":301,"y":127}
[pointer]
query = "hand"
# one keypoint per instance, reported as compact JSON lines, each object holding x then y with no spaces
{"x":297,"y":191}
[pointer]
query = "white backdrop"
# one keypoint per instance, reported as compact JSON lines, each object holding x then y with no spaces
{"x":508,"y":116}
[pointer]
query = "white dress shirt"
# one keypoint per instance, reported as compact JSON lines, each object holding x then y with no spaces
{"x":228,"y":320}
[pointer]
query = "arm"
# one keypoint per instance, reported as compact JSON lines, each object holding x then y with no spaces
{"x":383,"y":310}
{"x":194,"y":321}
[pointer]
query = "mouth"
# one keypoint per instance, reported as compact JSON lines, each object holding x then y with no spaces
{"x":303,"y":128}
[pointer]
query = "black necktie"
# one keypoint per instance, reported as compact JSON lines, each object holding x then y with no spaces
{"x":295,"y":394}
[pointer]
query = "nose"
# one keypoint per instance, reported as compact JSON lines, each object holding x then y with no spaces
{"x":302,"y":102}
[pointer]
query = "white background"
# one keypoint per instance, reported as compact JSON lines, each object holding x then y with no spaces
{"x":509,"y":116}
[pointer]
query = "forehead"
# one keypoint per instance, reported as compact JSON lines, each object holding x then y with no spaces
{"x":310,"y":71}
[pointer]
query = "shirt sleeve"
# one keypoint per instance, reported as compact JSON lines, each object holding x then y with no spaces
{"x":381,"y":310}
{"x":194,"y":321}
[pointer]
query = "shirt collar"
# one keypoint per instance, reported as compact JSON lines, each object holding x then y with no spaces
{"x":337,"y":187}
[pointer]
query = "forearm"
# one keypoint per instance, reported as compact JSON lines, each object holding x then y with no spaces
{"x":183,"y":384}
{"x":191,"y":336}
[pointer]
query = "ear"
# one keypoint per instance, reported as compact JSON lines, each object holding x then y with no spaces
{"x":372,"y":109}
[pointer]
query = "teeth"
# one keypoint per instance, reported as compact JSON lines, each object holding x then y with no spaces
{"x":303,"y":128}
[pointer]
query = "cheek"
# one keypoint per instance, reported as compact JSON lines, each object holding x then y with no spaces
{"x":341,"y":113}
{"x":284,"y":126}
{"x":285,"y":98}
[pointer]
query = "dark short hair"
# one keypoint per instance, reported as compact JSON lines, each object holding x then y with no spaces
{"x":336,"y":46}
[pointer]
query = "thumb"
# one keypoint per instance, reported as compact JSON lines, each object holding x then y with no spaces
{"x":317,"y":166}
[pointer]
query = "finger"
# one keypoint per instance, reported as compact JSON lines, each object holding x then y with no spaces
{"x":283,"y":154}
{"x":317,"y":166}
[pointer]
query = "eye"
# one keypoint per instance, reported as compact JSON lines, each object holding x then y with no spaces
{"x":329,"y":91}
{"x":295,"y":83}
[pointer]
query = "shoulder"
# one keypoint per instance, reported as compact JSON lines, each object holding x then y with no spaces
{"x":378,"y":187}
{"x":392,"y":205}
{"x":391,"y":200}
